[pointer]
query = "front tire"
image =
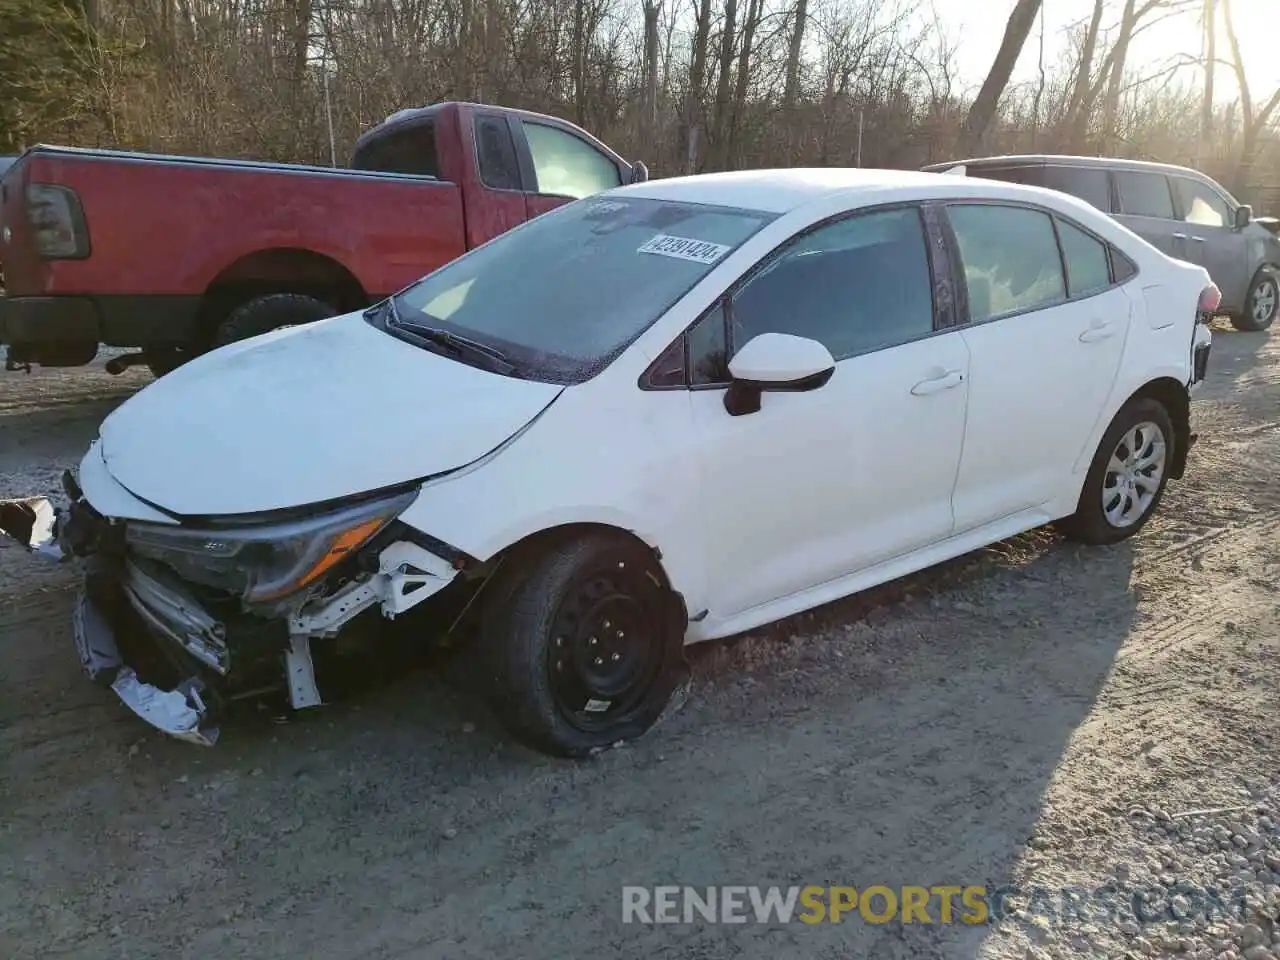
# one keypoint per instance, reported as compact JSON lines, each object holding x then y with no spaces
{"x":583,"y":645}
{"x":1127,"y":477}
{"x":1260,"y":306}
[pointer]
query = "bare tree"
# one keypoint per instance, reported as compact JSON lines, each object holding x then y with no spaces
{"x":1254,"y":121}
{"x":984,"y":107}
{"x":1081,"y":106}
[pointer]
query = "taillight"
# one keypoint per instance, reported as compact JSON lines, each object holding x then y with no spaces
{"x":1210,"y":300}
{"x":57,"y":222}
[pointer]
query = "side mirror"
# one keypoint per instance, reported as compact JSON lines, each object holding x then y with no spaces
{"x":639,"y":172}
{"x":1244,"y":216}
{"x":779,"y":363}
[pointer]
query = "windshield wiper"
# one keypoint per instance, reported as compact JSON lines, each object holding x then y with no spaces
{"x":490,"y":357}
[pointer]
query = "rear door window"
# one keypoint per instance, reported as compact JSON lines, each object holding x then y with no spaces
{"x":1144,"y":194}
{"x":1089,"y":184}
{"x":496,"y":154}
{"x":1010,"y":258}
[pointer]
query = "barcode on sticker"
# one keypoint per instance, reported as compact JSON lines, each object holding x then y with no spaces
{"x":597,"y":706}
{"x":607,"y":206}
{"x":683,"y":248}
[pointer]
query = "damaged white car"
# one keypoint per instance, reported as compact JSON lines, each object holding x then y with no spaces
{"x":668,"y":413}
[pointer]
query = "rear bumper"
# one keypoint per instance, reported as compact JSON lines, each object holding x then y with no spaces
{"x":48,"y":319}
{"x":118,"y":320}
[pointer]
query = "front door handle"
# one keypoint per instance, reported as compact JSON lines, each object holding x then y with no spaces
{"x":1098,"y":330}
{"x":1197,"y":239}
{"x":943,"y":381}
{"x":1179,"y":236}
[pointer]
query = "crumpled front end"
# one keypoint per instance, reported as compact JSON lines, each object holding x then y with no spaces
{"x":181,"y":621}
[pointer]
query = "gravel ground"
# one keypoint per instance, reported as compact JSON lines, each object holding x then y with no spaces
{"x":1051,"y":722}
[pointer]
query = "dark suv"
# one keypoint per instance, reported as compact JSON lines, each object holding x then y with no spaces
{"x":1182,"y":212}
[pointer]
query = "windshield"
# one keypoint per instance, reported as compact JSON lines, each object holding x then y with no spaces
{"x":560,"y":297}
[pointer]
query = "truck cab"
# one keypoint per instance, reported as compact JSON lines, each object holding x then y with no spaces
{"x":177,"y":255}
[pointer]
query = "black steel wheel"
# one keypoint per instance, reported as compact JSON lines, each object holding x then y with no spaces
{"x":584,"y":645}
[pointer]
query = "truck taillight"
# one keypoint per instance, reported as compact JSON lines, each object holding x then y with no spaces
{"x":1210,"y":300}
{"x":57,"y":222}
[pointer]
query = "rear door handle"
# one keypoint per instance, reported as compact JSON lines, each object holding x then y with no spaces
{"x":1197,"y":239}
{"x":944,"y":381}
{"x":1098,"y":330}
{"x":1179,"y":236}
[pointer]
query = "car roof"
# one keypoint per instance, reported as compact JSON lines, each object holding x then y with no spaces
{"x":1029,"y":159}
{"x":781,"y":191}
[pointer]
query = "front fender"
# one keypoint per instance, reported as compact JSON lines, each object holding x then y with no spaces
{"x":450,"y":512}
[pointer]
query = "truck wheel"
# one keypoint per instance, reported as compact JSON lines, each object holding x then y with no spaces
{"x":582,"y":645}
{"x":264,"y":314}
{"x":1260,"y":306}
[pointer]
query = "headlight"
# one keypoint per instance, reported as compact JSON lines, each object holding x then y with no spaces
{"x":268,"y":562}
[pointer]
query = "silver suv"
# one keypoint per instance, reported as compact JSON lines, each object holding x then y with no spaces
{"x":1182,"y":212}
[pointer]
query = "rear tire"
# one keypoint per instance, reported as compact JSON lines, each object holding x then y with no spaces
{"x":1260,"y":305}
{"x":583,"y":645}
{"x":1127,"y":477}
{"x":264,"y":314}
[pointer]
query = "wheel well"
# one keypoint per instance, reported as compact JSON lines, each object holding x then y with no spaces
{"x":1173,"y":396}
{"x":280,"y":270}
{"x":525,"y":549}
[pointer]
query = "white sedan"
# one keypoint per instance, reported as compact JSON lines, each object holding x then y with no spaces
{"x":661,"y":415}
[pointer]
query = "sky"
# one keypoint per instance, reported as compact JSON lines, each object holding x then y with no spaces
{"x":979,"y":25}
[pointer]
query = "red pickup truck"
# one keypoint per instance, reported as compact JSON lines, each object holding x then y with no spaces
{"x":177,"y":255}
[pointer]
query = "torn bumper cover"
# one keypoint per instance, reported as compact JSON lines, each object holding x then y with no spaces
{"x":184,"y":710}
{"x":181,"y":712}
{"x":166,"y":645}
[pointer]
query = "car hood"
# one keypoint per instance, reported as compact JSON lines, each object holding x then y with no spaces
{"x":306,"y":415}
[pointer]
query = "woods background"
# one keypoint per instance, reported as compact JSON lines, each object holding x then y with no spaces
{"x":685,"y":85}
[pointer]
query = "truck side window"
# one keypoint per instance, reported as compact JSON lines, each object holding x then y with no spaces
{"x":496,"y":154}
{"x":566,"y":166}
{"x":411,"y":151}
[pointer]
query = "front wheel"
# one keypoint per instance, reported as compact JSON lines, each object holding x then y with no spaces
{"x":1260,"y":306}
{"x":1127,"y":477}
{"x":584,"y":645}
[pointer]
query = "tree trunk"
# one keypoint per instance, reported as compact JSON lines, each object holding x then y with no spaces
{"x":791,"y":89}
{"x":649,"y":121}
{"x":697,"y":77}
{"x":1210,"y":59}
{"x":724,"y":71}
{"x":1111,"y":104}
{"x":984,"y":107}
{"x":1081,"y":108}
{"x":743,"y":80}
{"x":579,"y":63}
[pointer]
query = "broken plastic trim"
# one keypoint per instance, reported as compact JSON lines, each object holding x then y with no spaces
{"x":181,"y":712}
{"x":33,"y":522}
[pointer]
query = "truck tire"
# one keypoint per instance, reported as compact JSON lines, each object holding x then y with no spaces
{"x":1261,"y":305}
{"x":264,"y":314}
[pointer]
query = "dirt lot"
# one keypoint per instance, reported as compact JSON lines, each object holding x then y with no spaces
{"x":1035,"y":715}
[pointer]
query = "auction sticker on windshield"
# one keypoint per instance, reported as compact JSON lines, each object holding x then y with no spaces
{"x":682,"y":248}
